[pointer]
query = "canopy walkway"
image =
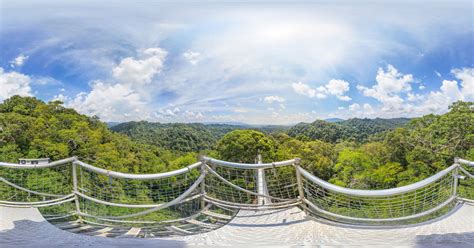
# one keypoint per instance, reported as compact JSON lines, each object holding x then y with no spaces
{"x":216,"y":202}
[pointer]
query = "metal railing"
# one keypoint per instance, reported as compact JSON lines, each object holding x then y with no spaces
{"x":111,"y":197}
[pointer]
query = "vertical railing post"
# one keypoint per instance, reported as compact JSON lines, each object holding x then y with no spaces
{"x":456,"y":177}
{"x":75,"y":188}
{"x":203,"y":185}
{"x":260,"y":182}
{"x":299,"y":179}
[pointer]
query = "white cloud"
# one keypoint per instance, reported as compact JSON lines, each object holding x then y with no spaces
{"x":451,"y":90}
{"x":414,"y":97}
{"x":334,"y":87}
{"x":44,"y":81}
{"x":466,"y":75}
{"x":115,"y":102}
{"x":61,"y":98}
{"x":389,"y":85}
{"x":338,"y":88}
{"x":167,"y":113}
{"x":128,"y":96}
{"x":368,"y":108}
{"x":192,"y":57}
{"x":354,"y":107}
{"x":303,"y":89}
{"x":392,"y":81}
{"x":14,"y":83}
{"x":18,"y":61}
{"x":399,"y":100}
{"x":437,"y":74}
{"x":240,"y":110}
{"x":190,"y":115}
{"x":140,"y":71}
{"x":421,"y":87}
{"x":272,"y":99}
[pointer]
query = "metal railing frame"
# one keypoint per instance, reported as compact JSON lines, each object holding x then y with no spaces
{"x":203,"y":166}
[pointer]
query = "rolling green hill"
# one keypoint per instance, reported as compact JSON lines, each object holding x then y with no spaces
{"x":355,"y":129}
{"x":184,"y":137}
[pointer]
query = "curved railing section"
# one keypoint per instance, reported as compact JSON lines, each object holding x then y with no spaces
{"x":190,"y":198}
{"x":251,"y":186}
{"x":398,"y":205}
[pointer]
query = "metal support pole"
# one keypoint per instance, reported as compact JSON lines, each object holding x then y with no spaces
{"x":261,"y":185}
{"x":75,"y":188}
{"x":203,"y":185}
{"x":456,"y":178}
{"x":299,"y":180}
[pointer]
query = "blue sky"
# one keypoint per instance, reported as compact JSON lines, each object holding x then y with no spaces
{"x":269,"y":62}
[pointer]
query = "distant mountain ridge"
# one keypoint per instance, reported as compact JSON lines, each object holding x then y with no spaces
{"x":184,"y":137}
{"x":334,"y":120}
{"x":196,"y":137}
{"x":355,"y":129}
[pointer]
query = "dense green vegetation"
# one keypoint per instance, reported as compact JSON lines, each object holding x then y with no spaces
{"x":192,"y":137}
{"x":358,"y":153}
{"x":33,"y":129}
{"x":355,"y":129}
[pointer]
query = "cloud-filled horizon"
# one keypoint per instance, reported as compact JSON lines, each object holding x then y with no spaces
{"x":257,"y":63}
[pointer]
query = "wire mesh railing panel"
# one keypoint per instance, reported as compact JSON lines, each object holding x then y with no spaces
{"x":181,"y":219}
{"x":60,"y":213}
{"x":35,"y":184}
{"x":466,"y":183}
{"x":134,"y":191}
{"x":396,"y":206}
{"x":281,"y":183}
{"x":217,"y":188}
{"x":112,"y":215}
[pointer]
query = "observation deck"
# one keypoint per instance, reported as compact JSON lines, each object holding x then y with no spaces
{"x":220,"y":203}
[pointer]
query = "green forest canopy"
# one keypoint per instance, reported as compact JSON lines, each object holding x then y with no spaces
{"x":357,"y":153}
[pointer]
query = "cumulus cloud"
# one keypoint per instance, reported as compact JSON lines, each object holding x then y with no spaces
{"x":167,"y":113}
{"x":338,"y":88}
{"x":303,"y":89}
{"x":191,"y":115}
{"x":18,"y":61}
{"x":354,"y":107}
{"x":272,"y":99}
{"x":192,"y":57}
{"x":361,"y":111}
{"x":390,"y":84}
{"x":61,"y":98}
{"x":177,"y":114}
{"x":368,"y":108}
{"x":450,"y":91}
{"x":111,"y":102}
{"x":14,"y":83}
{"x":334,"y":87}
{"x":393,"y":90}
{"x":126,"y":97}
{"x":140,"y":71}
{"x":466,"y":75}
